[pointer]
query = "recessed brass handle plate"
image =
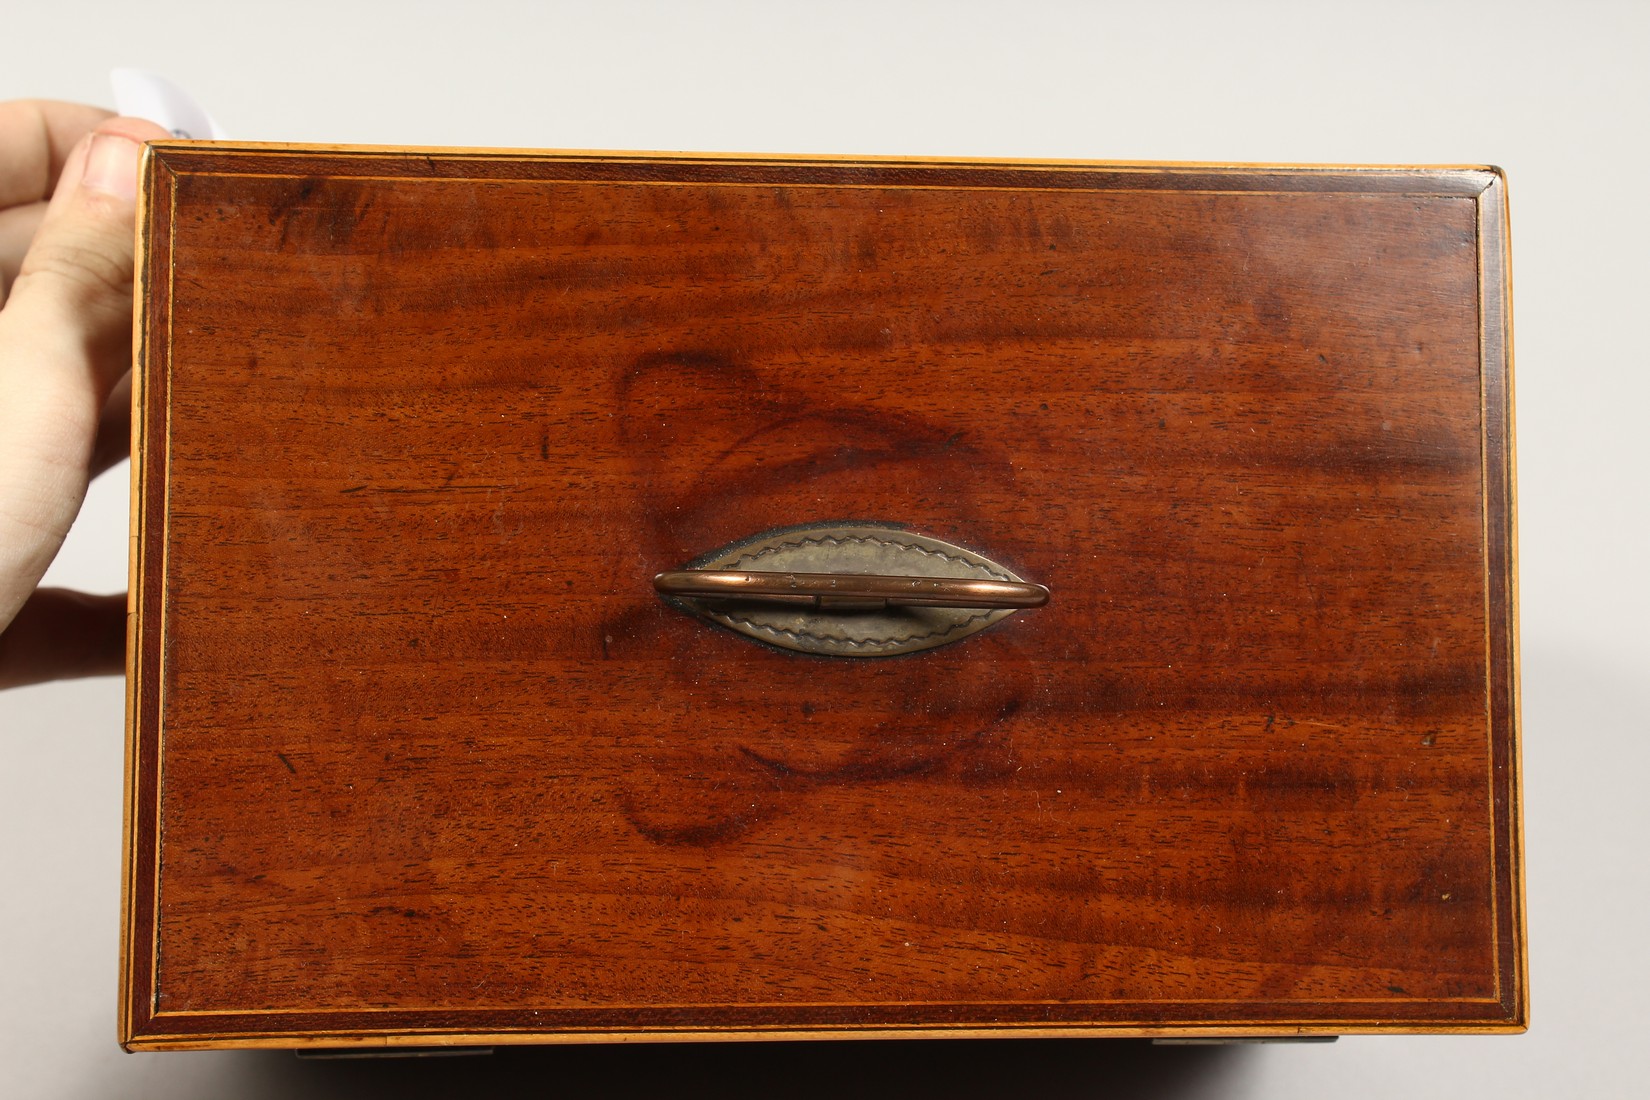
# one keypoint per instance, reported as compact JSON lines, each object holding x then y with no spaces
{"x":849,"y":590}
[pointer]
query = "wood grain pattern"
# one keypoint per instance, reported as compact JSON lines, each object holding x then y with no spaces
{"x":419,"y":756}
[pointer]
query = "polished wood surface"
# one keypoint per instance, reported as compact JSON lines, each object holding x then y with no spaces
{"x":419,"y":755}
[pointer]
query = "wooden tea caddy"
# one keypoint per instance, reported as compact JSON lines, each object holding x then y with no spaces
{"x":425,"y":752}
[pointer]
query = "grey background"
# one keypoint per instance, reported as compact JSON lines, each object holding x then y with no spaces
{"x":1556,"y":95}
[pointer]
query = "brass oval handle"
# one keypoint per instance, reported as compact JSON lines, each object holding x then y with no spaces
{"x":850,"y":591}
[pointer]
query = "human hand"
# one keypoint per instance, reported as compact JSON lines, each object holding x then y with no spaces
{"x":65,"y":369}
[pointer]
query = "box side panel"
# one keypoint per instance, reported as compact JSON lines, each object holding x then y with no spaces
{"x":438,"y":762}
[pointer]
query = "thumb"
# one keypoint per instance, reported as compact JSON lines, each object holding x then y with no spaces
{"x":69,"y":312}
{"x":65,"y":340}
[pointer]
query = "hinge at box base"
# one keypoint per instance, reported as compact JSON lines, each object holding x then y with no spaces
{"x":1188,"y":1041}
{"x":391,"y":1052}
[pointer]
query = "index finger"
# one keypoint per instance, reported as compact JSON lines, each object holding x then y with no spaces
{"x":36,"y":136}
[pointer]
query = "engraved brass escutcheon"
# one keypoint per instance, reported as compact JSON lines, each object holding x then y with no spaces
{"x":849,"y":590}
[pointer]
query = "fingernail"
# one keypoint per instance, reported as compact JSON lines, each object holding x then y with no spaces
{"x":112,"y":166}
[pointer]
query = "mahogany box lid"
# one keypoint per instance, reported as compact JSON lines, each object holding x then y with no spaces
{"x":421,"y":753}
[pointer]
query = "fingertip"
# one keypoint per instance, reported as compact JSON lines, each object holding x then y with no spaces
{"x":106,"y":160}
{"x":113,"y":153}
{"x":111,"y":165}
